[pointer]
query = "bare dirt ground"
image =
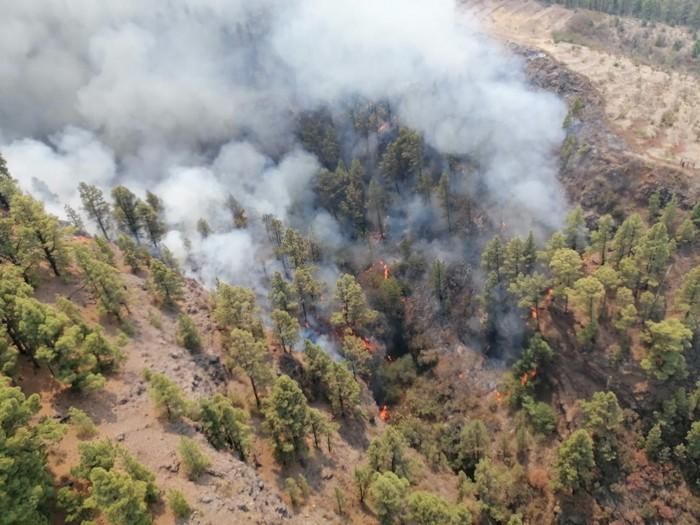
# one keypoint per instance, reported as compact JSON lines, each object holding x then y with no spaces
{"x":232,"y":491}
{"x":655,"y":108}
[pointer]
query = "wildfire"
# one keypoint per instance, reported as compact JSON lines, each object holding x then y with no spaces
{"x":384,"y":414}
{"x":498,"y":396}
{"x":385,"y":267}
{"x":534,"y":313}
{"x":527,"y":376}
{"x":369,"y":345}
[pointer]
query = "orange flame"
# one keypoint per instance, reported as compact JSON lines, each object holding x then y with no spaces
{"x":527,"y":376}
{"x":384,"y":414}
{"x":369,"y":345}
{"x":385,"y":267}
{"x":534,"y":313}
{"x":499,"y":396}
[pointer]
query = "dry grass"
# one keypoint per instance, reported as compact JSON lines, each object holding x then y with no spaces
{"x":656,"y":108}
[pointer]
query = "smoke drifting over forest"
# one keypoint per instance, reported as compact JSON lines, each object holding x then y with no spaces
{"x":199,"y":99}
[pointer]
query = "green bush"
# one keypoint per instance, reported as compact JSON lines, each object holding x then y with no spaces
{"x":187,"y":334}
{"x":178,"y":504}
{"x":84,"y":426}
{"x":541,"y":415}
{"x":194,"y":461}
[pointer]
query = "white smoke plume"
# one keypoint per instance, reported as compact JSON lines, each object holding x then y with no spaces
{"x":197,"y":99}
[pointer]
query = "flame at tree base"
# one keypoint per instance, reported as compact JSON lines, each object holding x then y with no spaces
{"x":384,"y":414}
{"x":527,"y":376}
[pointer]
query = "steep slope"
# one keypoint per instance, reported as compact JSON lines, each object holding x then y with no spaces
{"x":231,"y":491}
{"x":652,"y":102}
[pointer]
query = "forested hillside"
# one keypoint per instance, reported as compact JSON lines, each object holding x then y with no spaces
{"x":589,"y":404}
{"x":675,"y":12}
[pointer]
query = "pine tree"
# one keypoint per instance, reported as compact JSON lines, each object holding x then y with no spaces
{"x":668,"y":217}
{"x":96,"y":207}
{"x":654,"y":205}
{"x":575,"y":463}
{"x":377,"y":202}
{"x":203,"y":228}
{"x":75,"y":219}
{"x":653,"y":253}
{"x":666,"y":341}
{"x":27,"y":486}
{"x":425,"y":508}
{"x":610,"y":279}
{"x":388,"y":453}
{"x":103,"y":282}
{"x":165,"y":283}
{"x":689,"y":300}
{"x":587,"y":294}
{"x":125,"y":211}
{"x":474,"y":441}
{"x":514,"y":264}
{"x":575,"y":231}
{"x":627,"y":237}
{"x":225,"y":426}
{"x":286,"y":329}
{"x":318,"y":366}
{"x":103,"y":251}
{"x":626,"y":310}
{"x":654,"y":443}
{"x":244,"y":351}
{"x":602,"y":236}
{"x":283,"y":296}
{"x":286,"y":418}
{"x":497,"y":486}
{"x":150,"y":219}
{"x":353,"y":311}
{"x":17,"y":249}
{"x":363,"y":479}
{"x":493,"y":259}
{"x":320,"y":428}
{"x":40,"y":231}
{"x":330,"y":187}
{"x":438,"y":281}
{"x":343,"y":390}
{"x":529,"y":254}
{"x":445,"y":196}
{"x":566,"y":267}
{"x":167,"y":396}
{"x":687,"y":233}
{"x":119,"y":497}
{"x":134,"y":255}
{"x":387,"y":494}
{"x":8,"y":186}
{"x":235,"y":307}
{"x":307,"y":289}
{"x":603,"y":418}
{"x":529,"y":289}
{"x":238,"y":213}
{"x":353,"y":205}
{"x":356,"y":353}
{"x":93,"y":454}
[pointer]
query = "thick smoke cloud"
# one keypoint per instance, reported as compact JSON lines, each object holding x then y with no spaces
{"x":197,"y":99}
